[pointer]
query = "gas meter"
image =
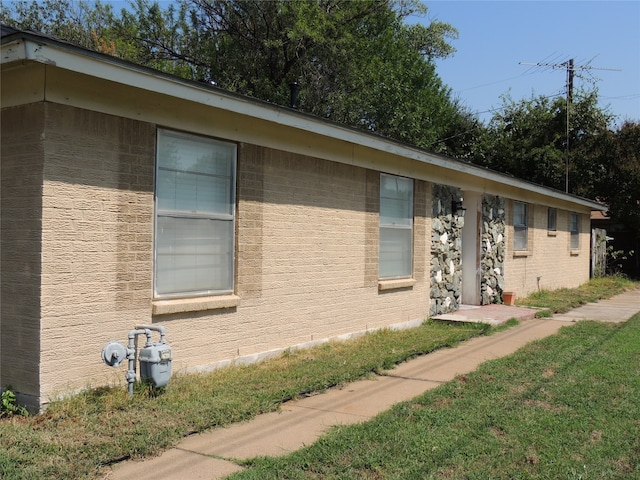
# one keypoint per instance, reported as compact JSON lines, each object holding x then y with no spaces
{"x":155,"y":364}
{"x":154,"y":358}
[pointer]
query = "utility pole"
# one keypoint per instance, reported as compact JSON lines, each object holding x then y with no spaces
{"x":571,"y":68}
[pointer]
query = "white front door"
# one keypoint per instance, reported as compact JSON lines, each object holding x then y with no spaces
{"x":471,"y":237}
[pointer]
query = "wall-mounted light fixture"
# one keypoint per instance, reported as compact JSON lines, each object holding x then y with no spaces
{"x":457,"y":208}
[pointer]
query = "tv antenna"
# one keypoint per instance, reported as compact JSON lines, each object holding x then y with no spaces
{"x":571,"y":69}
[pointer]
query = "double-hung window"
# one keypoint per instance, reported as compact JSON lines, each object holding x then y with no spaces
{"x":574,"y":229}
{"x":551,"y":219}
{"x":396,"y":227}
{"x":520,"y":226}
{"x":195,"y":215}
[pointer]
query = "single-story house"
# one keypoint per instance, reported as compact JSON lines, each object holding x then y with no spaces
{"x":129,"y":196}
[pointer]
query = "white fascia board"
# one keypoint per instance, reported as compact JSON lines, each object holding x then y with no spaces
{"x":116,"y":70}
{"x":13,"y":52}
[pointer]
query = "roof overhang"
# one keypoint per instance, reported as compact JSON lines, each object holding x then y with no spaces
{"x":21,"y":48}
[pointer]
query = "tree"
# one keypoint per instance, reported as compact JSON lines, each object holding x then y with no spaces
{"x":619,"y":184}
{"x":463,"y":136}
{"x":588,"y":124}
{"x":356,"y":63}
{"x":76,"y":22}
{"x":528,"y":139}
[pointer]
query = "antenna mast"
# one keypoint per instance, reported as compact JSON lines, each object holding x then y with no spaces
{"x":571,"y":69}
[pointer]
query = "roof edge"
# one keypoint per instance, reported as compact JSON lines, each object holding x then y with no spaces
{"x":261,"y":109}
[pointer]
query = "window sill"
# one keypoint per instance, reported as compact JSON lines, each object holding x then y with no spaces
{"x":574,"y":253}
{"x":521,"y":253}
{"x":552,"y":233}
{"x":396,"y":284}
{"x":180,"y":305}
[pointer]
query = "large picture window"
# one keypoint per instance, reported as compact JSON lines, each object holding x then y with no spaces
{"x":396,"y":227}
{"x":195,"y":215}
{"x":520,"y":226}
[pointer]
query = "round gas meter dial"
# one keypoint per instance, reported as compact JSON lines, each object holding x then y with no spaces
{"x":114,"y":353}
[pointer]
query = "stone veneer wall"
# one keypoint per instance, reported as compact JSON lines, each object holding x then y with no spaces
{"x":446,"y":252}
{"x":493,"y":249}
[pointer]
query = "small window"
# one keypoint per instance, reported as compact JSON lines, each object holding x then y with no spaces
{"x":574,"y":228}
{"x":551,"y":219}
{"x":396,"y":227}
{"x":520,"y":227}
{"x":195,"y":215}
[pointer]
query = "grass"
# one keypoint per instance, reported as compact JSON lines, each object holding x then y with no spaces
{"x":566,"y":407}
{"x":505,"y":414}
{"x":77,"y":437}
{"x":565,"y":299}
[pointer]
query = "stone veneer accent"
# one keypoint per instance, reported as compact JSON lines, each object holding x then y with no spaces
{"x":446,"y":252}
{"x":493,"y":249}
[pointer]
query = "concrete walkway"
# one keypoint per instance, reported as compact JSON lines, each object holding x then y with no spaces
{"x":210,"y":455}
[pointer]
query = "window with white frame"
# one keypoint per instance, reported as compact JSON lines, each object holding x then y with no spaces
{"x":396,"y":227}
{"x":551,"y":219}
{"x":574,"y":229}
{"x":520,"y":226}
{"x":195,"y":215}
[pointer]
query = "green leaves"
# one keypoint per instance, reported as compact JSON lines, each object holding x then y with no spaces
{"x":9,"y":405}
{"x":619,"y":173}
{"x":528,"y":139}
{"x":357,"y":63}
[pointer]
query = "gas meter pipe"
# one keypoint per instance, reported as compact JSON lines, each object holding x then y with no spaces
{"x":156,"y":328}
{"x":132,"y":349}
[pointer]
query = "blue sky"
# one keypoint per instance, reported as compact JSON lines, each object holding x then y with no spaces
{"x":495,"y":36}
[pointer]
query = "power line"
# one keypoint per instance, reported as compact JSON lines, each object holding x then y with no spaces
{"x":570,"y":67}
{"x":475,"y":114}
{"x":500,"y":109}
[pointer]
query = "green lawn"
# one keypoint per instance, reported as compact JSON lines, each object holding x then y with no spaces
{"x":564,"y":299}
{"x":567,"y":407}
{"x":76,"y":437}
{"x":511,"y":416}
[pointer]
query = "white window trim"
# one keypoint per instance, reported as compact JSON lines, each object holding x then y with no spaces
{"x":386,"y":282}
{"x":552,"y":230}
{"x":574,"y":234}
{"x":524,"y":227}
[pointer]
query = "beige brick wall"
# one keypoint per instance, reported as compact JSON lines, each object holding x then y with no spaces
{"x":306,"y":262}
{"x":549,"y":263}
{"x":306,"y":256}
{"x":21,"y":158}
{"x":97,"y":225}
